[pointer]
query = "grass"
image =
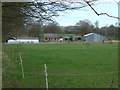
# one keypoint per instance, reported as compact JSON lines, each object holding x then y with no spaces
{"x":63,"y":35}
{"x":70,"y":65}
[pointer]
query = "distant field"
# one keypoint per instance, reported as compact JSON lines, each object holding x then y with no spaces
{"x":63,"y":35}
{"x":69,"y":65}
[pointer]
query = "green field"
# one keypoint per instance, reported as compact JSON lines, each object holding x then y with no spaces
{"x":68,"y":35}
{"x":69,"y":65}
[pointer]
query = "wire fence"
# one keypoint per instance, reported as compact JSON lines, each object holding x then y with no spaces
{"x":13,"y":53}
{"x":63,"y":74}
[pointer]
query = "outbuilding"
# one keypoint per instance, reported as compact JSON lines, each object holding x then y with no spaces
{"x":20,"y":40}
{"x":77,"y":38}
{"x":92,"y":37}
{"x":50,"y":37}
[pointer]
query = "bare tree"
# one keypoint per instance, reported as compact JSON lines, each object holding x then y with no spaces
{"x":52,"y":28}
{"x":84,"y":27}
{"x":96,"y":24}
{"x":45,"y":10}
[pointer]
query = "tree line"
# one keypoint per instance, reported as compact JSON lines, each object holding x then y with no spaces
{"x":81,"y":28}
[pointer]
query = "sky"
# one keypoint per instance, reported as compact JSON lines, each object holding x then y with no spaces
{"x":72,"y":17}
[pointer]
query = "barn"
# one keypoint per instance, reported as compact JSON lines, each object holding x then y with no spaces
{"x":50,"y":37}
{"x":77,"y":38}
{"x":92,"y":37}
{"x":25,"y":40}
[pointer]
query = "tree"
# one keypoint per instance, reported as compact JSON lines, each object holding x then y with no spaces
{"x":52,"y":28}
{"x":12,"y":21}
{"x":40,"y":9}
{"x":113,"y":31}
{"x":96,"y":28}
{"x":69,"y":30}
{"x":97,"y":24}
{"x":84,"y":27}
{"x":110,"y":32}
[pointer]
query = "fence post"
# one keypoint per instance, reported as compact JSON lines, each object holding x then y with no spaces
{"x":21,"y":65}
{"x":46,"y":76}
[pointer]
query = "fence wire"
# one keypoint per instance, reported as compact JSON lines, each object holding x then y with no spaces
{"x":16,"y":56}
{"x":59,"y":74}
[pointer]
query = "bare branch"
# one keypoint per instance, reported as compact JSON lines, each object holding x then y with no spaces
{"x":117,"y":2}
{"x":101,"y":13}
{"x":47,"y":10}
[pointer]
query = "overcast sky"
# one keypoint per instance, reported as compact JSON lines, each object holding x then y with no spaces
{"x":72,"y":17}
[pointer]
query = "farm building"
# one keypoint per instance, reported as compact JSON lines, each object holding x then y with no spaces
{"x":77,"y":38}
{"x":50,"y":37}
{"x":25,"y":40}
{"x":66,"y":38}
{"x":71,"y":38}
{"x":91,"y":37}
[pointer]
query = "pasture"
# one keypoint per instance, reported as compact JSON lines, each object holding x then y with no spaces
{"x":69,"y":65}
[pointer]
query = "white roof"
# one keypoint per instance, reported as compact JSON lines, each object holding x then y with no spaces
{"x":36,"y":38}
{"x":89,"y":34}
{"x":50,"y":35}
{"x":92,"y":34}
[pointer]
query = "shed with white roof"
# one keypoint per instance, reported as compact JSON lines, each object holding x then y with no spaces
{"x":25,"y":40}
{"x":92,"y":37}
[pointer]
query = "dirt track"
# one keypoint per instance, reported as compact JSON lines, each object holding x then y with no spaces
{"x":115,"y":40}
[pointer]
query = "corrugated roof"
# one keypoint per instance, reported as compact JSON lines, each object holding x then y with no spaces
{"x":89,"y":34}
{"x":27,"y":38}
{"x":50,"y":35}
{"x":95,"y":34}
